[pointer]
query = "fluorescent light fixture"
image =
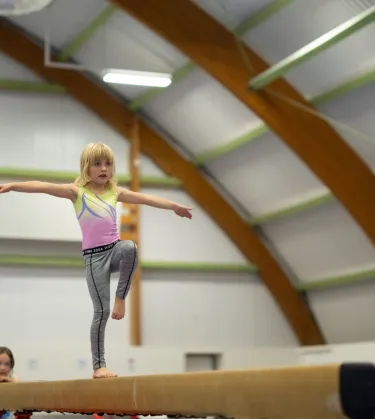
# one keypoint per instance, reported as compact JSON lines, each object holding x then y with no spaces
{"x":137,"y":78}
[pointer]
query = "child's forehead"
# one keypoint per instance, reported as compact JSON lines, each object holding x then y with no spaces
{"x":100,"y":158}
{"x":4,"y":356}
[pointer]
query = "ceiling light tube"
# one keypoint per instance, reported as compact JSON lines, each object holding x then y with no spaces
{"x":137,"y":78}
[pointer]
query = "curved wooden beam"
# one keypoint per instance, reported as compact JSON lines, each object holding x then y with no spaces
{"x":216,"y":50}
{"x":94,"y":97}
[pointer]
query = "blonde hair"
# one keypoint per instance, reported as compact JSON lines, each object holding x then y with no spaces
{"x":90,"y":154}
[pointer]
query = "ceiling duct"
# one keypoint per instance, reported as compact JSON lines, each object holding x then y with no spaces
{"x":22,"y":7}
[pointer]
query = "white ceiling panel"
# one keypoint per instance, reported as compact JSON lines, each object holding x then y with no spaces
{"x":271,"y":326}
{"x":148,"y":167}
{"x":345,"y":314}
{"x":335,"y":65}
{"x":303,"y":22}
{"x":200,"y":113}
{"x":356,"y":111}
{"x":124,"y":43}
{"x":127,"y":91}
{"x":295,"y":26}
{"x":213,"y":246}
{"x":64,"y":18}
{"x":231,"y":12}
{"x":11,"y":70}
{"x":322,"y":242}
{"x":265,"y":175}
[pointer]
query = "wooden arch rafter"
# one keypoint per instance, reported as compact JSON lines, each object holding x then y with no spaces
{"x":20,"y":48}
{"x":216,"y":50}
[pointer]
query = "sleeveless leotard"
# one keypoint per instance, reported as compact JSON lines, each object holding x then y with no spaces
{"x":97,"y":217}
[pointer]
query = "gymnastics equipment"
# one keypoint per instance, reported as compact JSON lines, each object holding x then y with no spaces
{"x":22,"y":7}
{"x":300,"y":392}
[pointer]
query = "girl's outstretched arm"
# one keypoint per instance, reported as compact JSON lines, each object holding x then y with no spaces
{"x":131,"y":197}
{"x":68,"y":191}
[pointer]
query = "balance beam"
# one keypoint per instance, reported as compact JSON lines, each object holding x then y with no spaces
{"x":301,"y":392}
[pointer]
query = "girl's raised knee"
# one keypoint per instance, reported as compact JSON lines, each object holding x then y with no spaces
{"x":128,"y":246}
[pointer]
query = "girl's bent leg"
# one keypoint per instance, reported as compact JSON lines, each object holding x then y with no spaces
{"x":124,"y":260}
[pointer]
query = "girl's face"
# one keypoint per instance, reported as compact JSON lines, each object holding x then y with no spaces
{"x":5,"y":365}
{"x":101,"y":172}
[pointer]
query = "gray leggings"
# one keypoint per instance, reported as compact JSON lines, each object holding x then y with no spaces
{"x":100,"y":263}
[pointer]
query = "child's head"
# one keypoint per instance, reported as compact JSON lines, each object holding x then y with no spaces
{"x":6,"y":361}
{"x":97,"y":165}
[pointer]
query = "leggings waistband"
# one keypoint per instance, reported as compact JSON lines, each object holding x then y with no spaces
{"x":99,"y":249}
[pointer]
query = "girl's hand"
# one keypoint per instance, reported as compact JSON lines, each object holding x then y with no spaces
{"x":4,"y":189}
{"x":182,"y":211}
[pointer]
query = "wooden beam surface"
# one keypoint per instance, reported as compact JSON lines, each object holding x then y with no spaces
{"x":308,"y":392}
{"x":215,"y":49}
{"x":20,"y":48}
